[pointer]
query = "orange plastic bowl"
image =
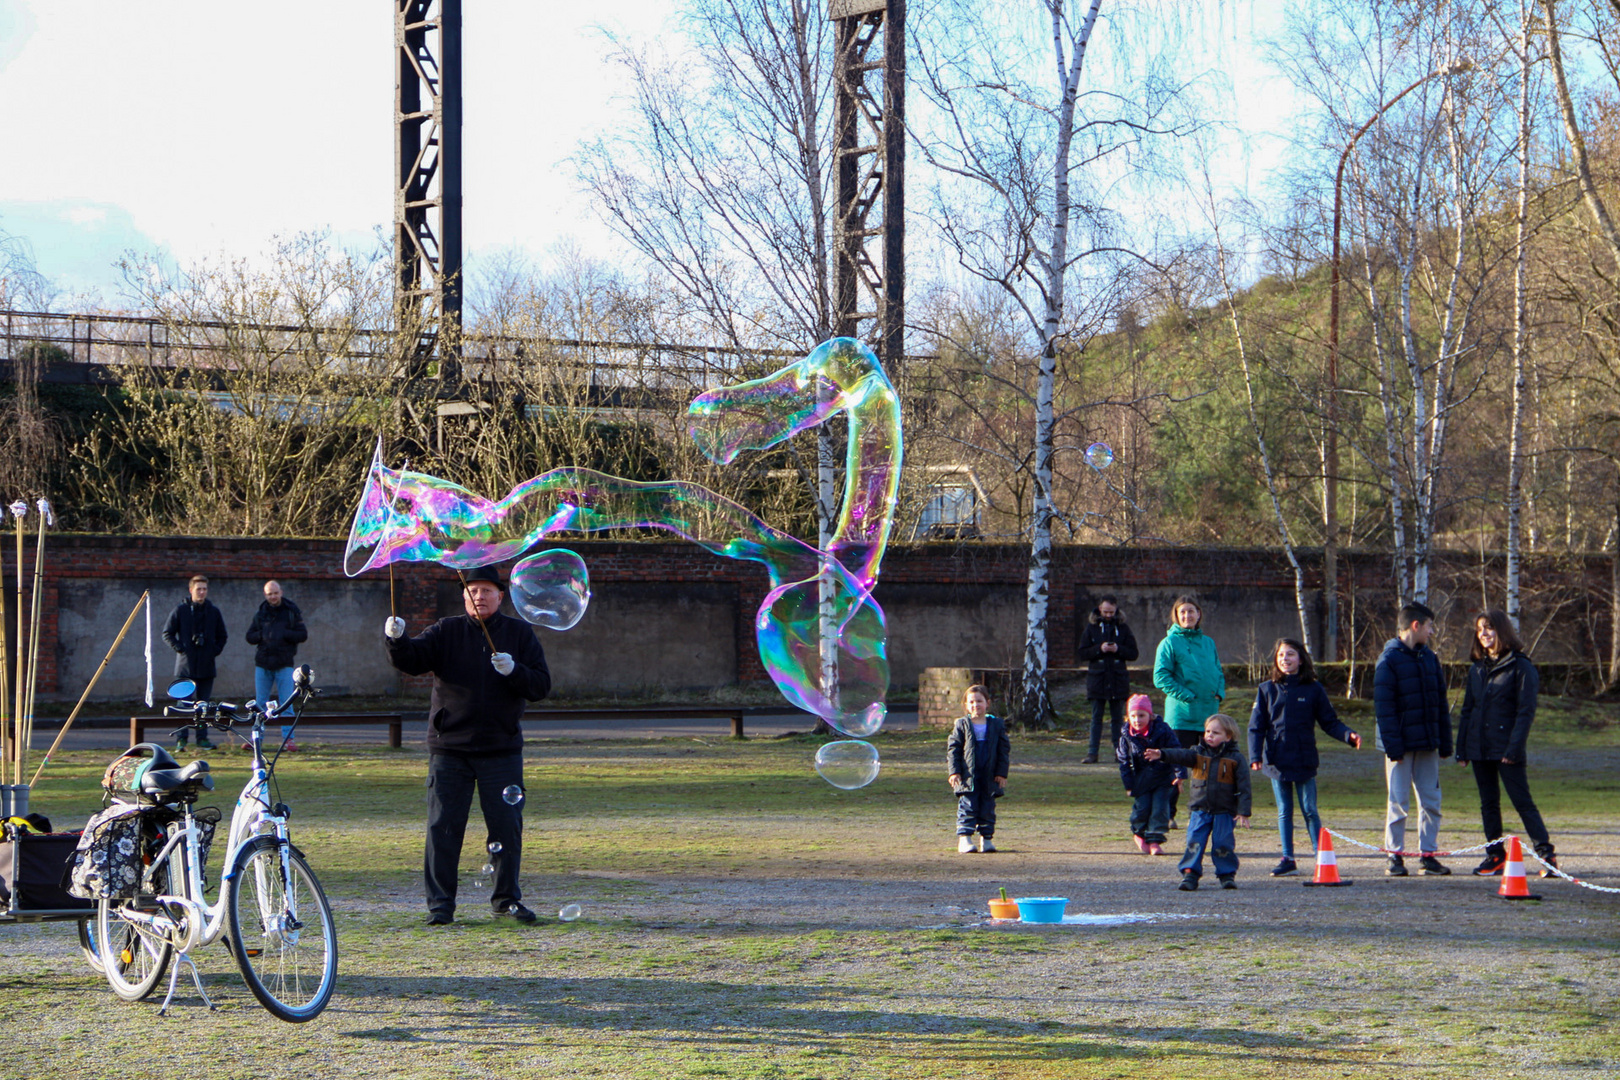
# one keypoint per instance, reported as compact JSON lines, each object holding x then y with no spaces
{"x":1003,"y":909}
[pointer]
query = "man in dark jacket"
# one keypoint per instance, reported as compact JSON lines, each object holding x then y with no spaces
{"x":277,"y":629}
{"x":486,"y":667}
{"x":196,"y":632}
{"x":1414,"y":732}
{"x":1106,"y":646}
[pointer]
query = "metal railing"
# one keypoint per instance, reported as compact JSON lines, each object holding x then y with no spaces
{"x":111,"y":341}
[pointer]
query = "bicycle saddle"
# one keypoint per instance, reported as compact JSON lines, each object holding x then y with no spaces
{"x":157,"y":781}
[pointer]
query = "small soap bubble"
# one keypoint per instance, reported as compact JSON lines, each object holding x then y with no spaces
{"x":570,"y":913}
{"x":487,"y":868}
{"x":1099,"y":455}
{"x":551,"y":589}
{"x":494,"y":847}
{"x":848,"y":763}
{"x":513,"y":794}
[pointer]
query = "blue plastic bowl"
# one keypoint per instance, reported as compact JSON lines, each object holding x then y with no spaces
{"x":1047,"y":909}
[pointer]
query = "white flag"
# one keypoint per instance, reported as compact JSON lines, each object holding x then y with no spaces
{"x":148,"y":600}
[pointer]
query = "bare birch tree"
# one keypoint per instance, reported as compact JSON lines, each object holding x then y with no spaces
{"x":1026,"y":157}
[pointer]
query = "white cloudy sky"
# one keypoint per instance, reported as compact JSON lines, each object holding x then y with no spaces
{"x":206,"y":127}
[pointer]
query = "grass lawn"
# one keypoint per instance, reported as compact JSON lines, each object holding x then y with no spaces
{"x":744,"y":919}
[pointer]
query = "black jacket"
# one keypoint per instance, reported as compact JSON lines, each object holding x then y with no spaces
{"x":1138,"y":774}
{"x":962,"y":750}
{"x":1282,"y":727}
{"x":277,"y":631}
{"x":197,"y":633}
{"x":1409,"y":699}
{"x":1498,"y":706}
{"x":1106,"y":677}
{"x":475,"y":709}
{"x":1219,"y":778}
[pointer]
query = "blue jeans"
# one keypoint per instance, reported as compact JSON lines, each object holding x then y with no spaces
{"x":1283,"y":791}
{"x":1214,"y":831}
{"x":1150,"y":813}
{"x":977,"y":809}
{"x":274,"y":685}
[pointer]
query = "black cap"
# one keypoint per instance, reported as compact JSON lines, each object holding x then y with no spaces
{"x":484,"y":573}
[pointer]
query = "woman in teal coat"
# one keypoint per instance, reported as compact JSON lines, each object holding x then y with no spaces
{"x":1188,"y":671}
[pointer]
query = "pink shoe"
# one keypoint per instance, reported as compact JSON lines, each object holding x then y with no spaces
{"x":1155,"y":849}
{"x":1141,"y":844}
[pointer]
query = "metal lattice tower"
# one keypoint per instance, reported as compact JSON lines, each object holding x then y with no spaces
{"x":427,"y":181}
{"x":869,"y":76}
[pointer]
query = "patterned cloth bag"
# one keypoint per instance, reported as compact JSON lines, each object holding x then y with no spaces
{"x":107,"y":863}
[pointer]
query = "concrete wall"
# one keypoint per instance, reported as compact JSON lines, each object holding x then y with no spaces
{"x":673,"y":615}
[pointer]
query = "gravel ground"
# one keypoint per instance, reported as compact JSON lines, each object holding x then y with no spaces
{"x":847,"y":938}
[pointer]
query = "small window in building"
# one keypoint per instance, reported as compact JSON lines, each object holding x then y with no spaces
{"x":951,"y":513}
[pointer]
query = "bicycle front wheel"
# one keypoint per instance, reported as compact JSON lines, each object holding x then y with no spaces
{"x":133,"y":956}
{"x":281,"y":930}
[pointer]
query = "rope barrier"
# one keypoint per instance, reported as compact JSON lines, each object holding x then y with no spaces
{"x":1549,"y":867}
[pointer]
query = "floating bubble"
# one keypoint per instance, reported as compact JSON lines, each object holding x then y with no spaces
{"x":1099,"y":455}
{"x":847,"y":763}
{"x":821,"y":635}
{"x":551,"y":589}
{"x":487,"y":868}
{"x":570,"y":913}
{"x":495,"y":845}
{"x":513,"y":794}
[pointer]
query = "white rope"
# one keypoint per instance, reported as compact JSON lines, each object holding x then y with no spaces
{"x":1470,"y":850}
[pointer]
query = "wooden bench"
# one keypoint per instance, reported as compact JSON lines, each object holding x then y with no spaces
{"x":395,"y":722}
{"x":734,"y":713}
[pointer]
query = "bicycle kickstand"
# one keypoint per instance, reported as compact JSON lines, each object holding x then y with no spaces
{"x":174,"y":977}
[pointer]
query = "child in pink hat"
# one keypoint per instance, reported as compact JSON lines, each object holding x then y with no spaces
{"x":1149,"y":783}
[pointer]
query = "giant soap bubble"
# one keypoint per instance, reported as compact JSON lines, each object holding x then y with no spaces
{"x":1099,"y":455}
{"x":847,"y":763}
{"x":821,"y":635}
{"x":551,"y":589}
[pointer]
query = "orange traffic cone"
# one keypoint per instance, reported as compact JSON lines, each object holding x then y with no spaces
{"x":1327,"y":863}
{"x":1515,"y":886}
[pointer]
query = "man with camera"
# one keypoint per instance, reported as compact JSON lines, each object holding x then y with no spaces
{"x":196,"y":632}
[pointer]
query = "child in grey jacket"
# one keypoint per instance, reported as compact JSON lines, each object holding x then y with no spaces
{"x":977,"y":754}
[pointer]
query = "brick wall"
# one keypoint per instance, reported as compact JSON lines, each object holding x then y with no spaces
{"x":947,"y":605}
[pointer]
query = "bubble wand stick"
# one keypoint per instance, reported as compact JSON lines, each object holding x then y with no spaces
{"x":387,"y":525}
{"x":481,"y":624}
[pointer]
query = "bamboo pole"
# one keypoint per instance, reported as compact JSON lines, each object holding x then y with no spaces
{"x":60,"y":735}
{"x":27,"y":740}
{"x":6,"y":735}
{"x":22,"y":647}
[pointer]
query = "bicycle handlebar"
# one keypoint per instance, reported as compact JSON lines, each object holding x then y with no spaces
{"x":222,"y":714}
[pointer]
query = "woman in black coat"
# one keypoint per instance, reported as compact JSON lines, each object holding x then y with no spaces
{"x":1498,"y":707}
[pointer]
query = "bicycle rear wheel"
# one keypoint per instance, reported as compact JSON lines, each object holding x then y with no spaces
{"x":281,"y":930}
{"x":133,"y":956}
{"x":87,"y":945}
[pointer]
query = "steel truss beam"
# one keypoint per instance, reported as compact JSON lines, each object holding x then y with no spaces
{"x":427,"y":188}
{"x":869,"y":76}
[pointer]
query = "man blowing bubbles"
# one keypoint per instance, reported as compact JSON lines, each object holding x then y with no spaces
{"x":474,"y":738}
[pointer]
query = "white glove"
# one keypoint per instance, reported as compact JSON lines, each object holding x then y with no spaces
{"x":394,"y":628}
{"x":503,"y":663}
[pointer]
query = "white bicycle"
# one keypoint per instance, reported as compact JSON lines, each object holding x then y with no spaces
{"x":270,"y":907}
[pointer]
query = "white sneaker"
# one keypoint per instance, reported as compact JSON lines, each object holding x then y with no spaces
{"x":964,"y":845}
{"x":986,"y":845}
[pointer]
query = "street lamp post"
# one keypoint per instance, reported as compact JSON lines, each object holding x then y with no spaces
{"x":1330,"y":437}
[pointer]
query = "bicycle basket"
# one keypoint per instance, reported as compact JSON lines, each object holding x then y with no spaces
{"x":122,"y":780}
